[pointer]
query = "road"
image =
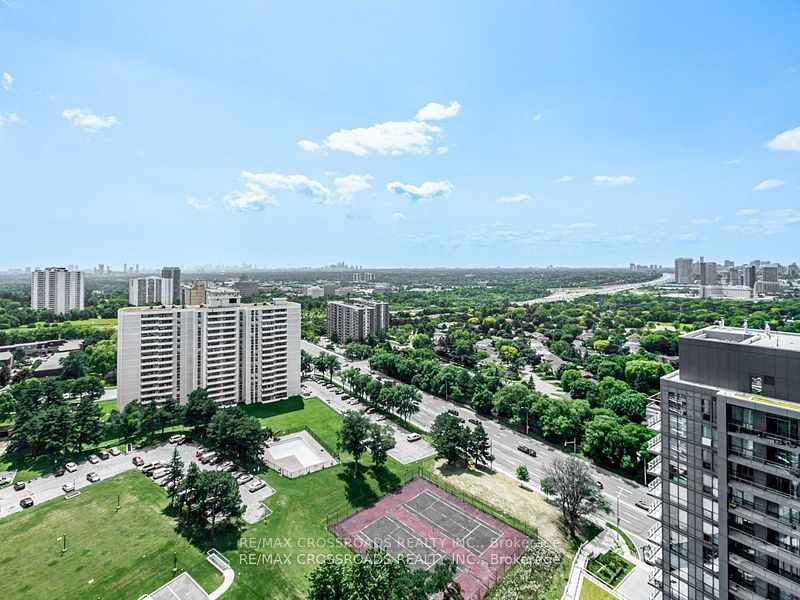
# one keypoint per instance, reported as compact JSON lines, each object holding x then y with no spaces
{"x":570,"y":294}
{"x":507,"y":458}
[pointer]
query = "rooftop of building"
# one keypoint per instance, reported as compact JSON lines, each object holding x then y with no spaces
{"x":357,"y":302}
{"x":156,"y":308}
{"x":744,"y":336}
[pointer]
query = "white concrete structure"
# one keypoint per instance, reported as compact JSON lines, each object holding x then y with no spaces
{"x":56,"y":289}
{"x":313,"y":291}
{"x":150,"y":290}
{"x":240,"y":352}
{"x":356,"y":319}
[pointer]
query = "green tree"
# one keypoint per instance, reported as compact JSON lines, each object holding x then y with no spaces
{"x":174,"y":474}
{"x":74,"y":365}
{"x":522,"y":473}
{"x":380,"y":441}
{"x":450,"y":438}
{"x":353,"y":435}
{"x":87,"y":421}
{"x":568,"y":378}
{"x":126,"y":422}
{"x":478,"y":445}
{"x":237,"y":435}
{"x":219,"y":492}
{"x":200,"y":409}
{"x":570,"y":481}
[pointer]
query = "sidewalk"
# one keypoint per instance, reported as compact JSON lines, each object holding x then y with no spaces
{"x":602,"y":543}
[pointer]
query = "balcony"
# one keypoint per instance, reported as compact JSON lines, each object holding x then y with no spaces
{"x":654,"y":422}
{"x":654,"y":466}
{"x":654,"y":578}
{"x":654,"y":512}
{"x":772,"y":493}
{"x":747,"y":511}
{"x":655,"y":595}
{"x":654,"y":445}
{"x":654,"y":488}
{"x":761,"y":464}
{"x":778,"y":578}
{"x":652,"y":555}
{"x":654,"y":534}
{"x":762,"y":546}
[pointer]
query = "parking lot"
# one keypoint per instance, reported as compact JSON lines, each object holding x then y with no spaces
{"x":404,"y":451}
{"x":49,"y":486}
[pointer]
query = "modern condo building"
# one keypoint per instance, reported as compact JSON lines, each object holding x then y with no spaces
{"x":56,"y":289}
{"x":728,"y":468}
{"x":356,"y":319}
{"x":150,"y":290}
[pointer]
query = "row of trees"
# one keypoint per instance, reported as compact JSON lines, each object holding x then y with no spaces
{"x":455,"y":442}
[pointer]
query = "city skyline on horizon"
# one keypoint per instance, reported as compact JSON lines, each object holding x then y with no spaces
{"x":512,"y":136}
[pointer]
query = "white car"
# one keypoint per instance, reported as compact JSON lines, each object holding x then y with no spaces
{"x":178,"y":438}
{"x":413,"y":437}
{"x":242,"y":479}
{"x":71,"y":467}
{"x":94,"y":459}
{"x":380,"y":418}
{"x":68,"y":487}
{"x":114,"y":451}
{"x":256,"y":485}
{"x":5,"y":480}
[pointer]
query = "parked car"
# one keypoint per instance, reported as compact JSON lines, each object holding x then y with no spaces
{"x":642,"y":504}
{"x":242,"y":479}
{"x":58,"y":472}
{"x":413,"y":437}
{"x":208,"y":457}
{"x":226,"y":466}
{"x":177,"y":439}
{"x":19,"y":486}
{"x":200,"y":451}
{"x":599,"y":483}
{"x":159,"y":473}
{"x":474,"y":421}
{"x":453,"y":412}
{"x":103,"y":455}
{"x":370,"y":410}
{"x":26,"y":502}
{"x":93,"y":477}
{"x":256,"y":485}
{"x":380,"y":418}
{"x":68,"y":487}
{"x":94,"y":459}
{"x":527,"y":450}
{"x":71,"y":467}
{"x":5,"y":480}
{"x":114,"y":451}
{"x":137,"y":461}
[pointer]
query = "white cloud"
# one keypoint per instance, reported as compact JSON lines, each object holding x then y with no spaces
{"x":433,"y":111}
{"x":540,"y":115}
{"x":197,"y":203}
{"x":705,"y":221}
{"x":398,"y":216}
{"x":442,"y":149}
{"x":7,"y":81}
{"x":563,"y":179}
{"x":743,"y":212}
{"x":427,"y":191}
{"x":613,"y":180}
{"x":768,"y":184}
{"x":253,"y":197}
{"x":88,"y":121}
{"x":733,"y":161}
{"x":349,"y":185}
{"x":296,"y":183}
{"x":309,"y":146}
{"x":581,"y":225}
{"x":789,"y":140}
{"x":10,"y":118}
{"x":513,"y":199}
{"x":391,"y":137}
{"x":770,"y":222}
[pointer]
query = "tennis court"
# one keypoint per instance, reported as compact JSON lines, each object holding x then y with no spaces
{"x":183,"y":587}
{"x":426,"y":524}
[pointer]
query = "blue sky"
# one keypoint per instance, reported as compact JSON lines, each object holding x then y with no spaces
{"x":403,"y":134}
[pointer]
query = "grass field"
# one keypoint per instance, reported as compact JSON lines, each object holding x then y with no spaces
{"x":127,"y":553}
{"x":591,"y":591}
{"x":99,"y":323}
{"x":300,"y":508}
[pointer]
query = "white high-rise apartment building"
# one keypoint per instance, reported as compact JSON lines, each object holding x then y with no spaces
{"x":56,"y":289}
{"x":683,"y":270}
{"x":239,"y":352}
{"x":150,"y":290}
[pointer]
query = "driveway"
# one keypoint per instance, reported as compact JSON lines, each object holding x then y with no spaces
{"x":48,"y":487}
{"x":404,"y":452}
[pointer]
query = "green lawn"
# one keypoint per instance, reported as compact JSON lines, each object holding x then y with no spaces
{"x":628,"y":541}
{"x":610,"y":568}
{"x":127,"y":553}
{"x":301,"y":506}
{"x":591,"y":591}
{"x":100,"y":323}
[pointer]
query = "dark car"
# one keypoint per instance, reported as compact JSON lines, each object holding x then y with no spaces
{"x":20,"y":485}
{"x":598,"y":483}
{"x":59,"y":471}
{"x":103,"y":455}
{"x":453,"y":412}
{"x":138,"y":461}
{"x":527,"y":450}
{"x":26,"y":502}
{"x":474,"y":421}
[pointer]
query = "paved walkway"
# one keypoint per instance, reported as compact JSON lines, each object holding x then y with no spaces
{"x":602,"y":543}
{"x":224,"y":567}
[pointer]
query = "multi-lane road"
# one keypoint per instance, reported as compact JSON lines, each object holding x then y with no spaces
{"x":572,"y":293}
{"x":632,"y":519}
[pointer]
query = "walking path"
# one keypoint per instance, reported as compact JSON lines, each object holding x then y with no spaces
{"x":223,"y":566}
